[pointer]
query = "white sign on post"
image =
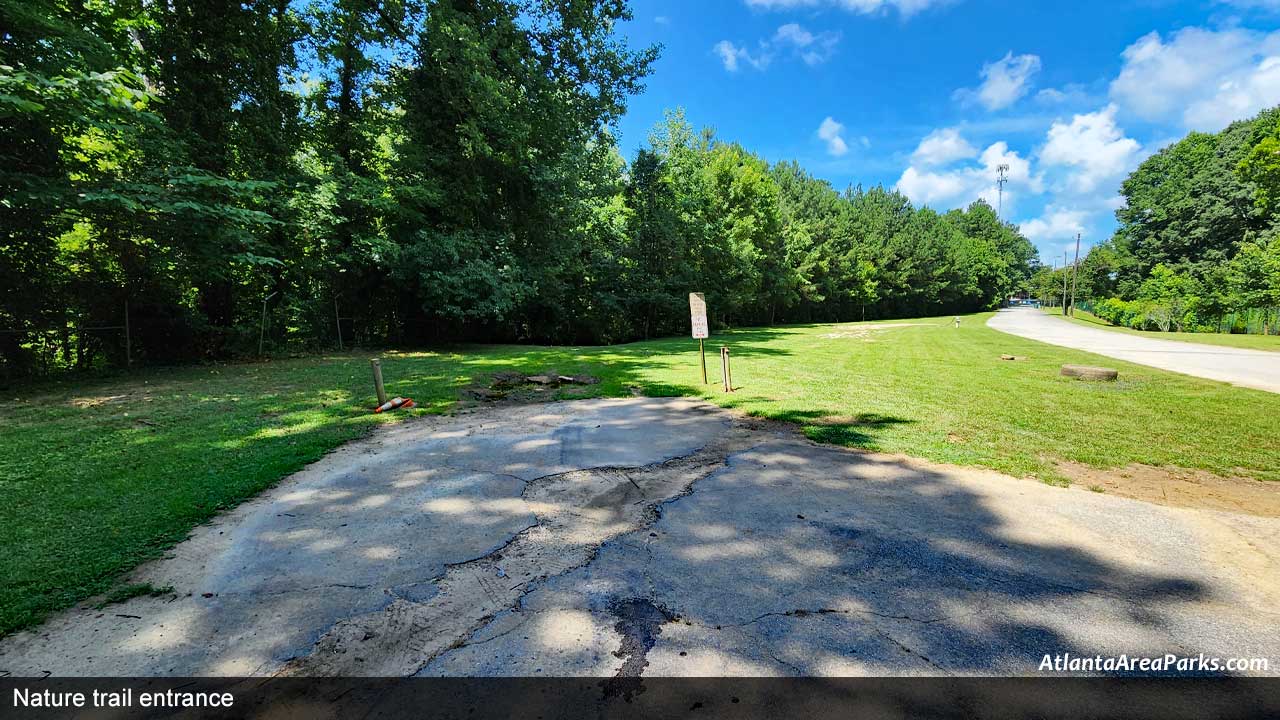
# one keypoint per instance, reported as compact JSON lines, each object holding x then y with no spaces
{"x":698,"y":314}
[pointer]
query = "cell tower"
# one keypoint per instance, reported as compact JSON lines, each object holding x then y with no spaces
{"x":1002,"y":177}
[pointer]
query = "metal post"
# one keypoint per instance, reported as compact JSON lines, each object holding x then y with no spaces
{"x":1075,"y":273}
{"x":702,"y":353}
{"x":337,"y":321}
{"x":262,"y":329}
{"x":377,"y":381}
{"x":728,"y":366}
{"x":128,"y":339}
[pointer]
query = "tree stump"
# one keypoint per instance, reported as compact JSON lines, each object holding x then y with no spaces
{"x":1086,"y":372}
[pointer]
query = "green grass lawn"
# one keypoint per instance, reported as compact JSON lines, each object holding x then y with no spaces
{"x":1249,"y":342}
{"x":98,"y":476}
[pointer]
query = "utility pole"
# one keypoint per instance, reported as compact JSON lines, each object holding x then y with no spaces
{"x":1075,"y":272}
{"x":1064,"y":282}
{"x":1002,"y":177}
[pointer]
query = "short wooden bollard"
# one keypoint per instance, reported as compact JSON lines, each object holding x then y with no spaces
{"x":377,"y":381}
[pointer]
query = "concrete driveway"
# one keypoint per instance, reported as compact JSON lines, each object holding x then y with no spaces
{"x":669,"y":537}
{"x":1258,"y":369}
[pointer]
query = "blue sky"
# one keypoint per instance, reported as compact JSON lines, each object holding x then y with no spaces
{"x":930,"y":96}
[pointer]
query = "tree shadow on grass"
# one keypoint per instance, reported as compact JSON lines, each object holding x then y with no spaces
{"x":858,"y":430}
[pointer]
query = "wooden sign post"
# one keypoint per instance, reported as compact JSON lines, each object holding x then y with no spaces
{"x":698,"y":316}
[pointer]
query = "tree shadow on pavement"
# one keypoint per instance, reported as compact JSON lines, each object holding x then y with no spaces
{"x":803,"y":560}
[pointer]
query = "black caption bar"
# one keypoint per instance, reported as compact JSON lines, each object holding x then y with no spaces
{"x":572,"y":698}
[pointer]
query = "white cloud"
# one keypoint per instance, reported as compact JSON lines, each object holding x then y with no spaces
{"x":1093,"y":148}
{"x":1003,"y":81}
{"x":831,"y":132}
{"x":1019,"y":173}
{"x":960,"y":186}
{"x":733,"y":56}
{"x":728,"y":55}
{"x":1071,"y":93}
{"x":1051,"y":95}
{"x":793,"y":33}
{"x":906,"y":8}
{"x":1205,"y":78}
{"x":941,"y":147}
{"x":1055,"y":223}
{"x":925,"y":187}
{"x":812,"y":49}
{"x":1238,"y":98}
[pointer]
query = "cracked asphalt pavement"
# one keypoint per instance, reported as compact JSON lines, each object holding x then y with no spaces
{"x":660,"y":536}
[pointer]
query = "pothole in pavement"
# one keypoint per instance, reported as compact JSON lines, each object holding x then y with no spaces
{"x":640,"y":622}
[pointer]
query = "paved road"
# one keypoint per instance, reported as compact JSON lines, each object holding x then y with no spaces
{"x":1258,"y":369}
{"x":667,"y":537}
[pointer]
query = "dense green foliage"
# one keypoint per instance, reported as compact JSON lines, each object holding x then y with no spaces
{"x":1080,"y":316}
{"x":774,"y":244}
{"x":1197,"y":247}
{"x":100,"y":474}
{"x":224,"y":176}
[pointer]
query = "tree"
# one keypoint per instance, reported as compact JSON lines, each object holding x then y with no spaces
{"x":741,"y":211}
{"x":217,"y":68}
{"x":1261,"y":167}
{"x":414,"y":170}
{"x":1187,"y":204}
{"x":657,"y":257}
{"x":1171,"y":295}
{"x":1191,"y":211}
{"x":1254,"y":275}
{"x":495,"y":108}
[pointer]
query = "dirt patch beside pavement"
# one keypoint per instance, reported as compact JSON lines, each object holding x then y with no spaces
{"x":864,"y":332}
{"x":1179,"y":487}
{"x":516,"y":388}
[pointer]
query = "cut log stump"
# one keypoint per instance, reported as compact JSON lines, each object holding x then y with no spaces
{"x":1086,"y":372}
